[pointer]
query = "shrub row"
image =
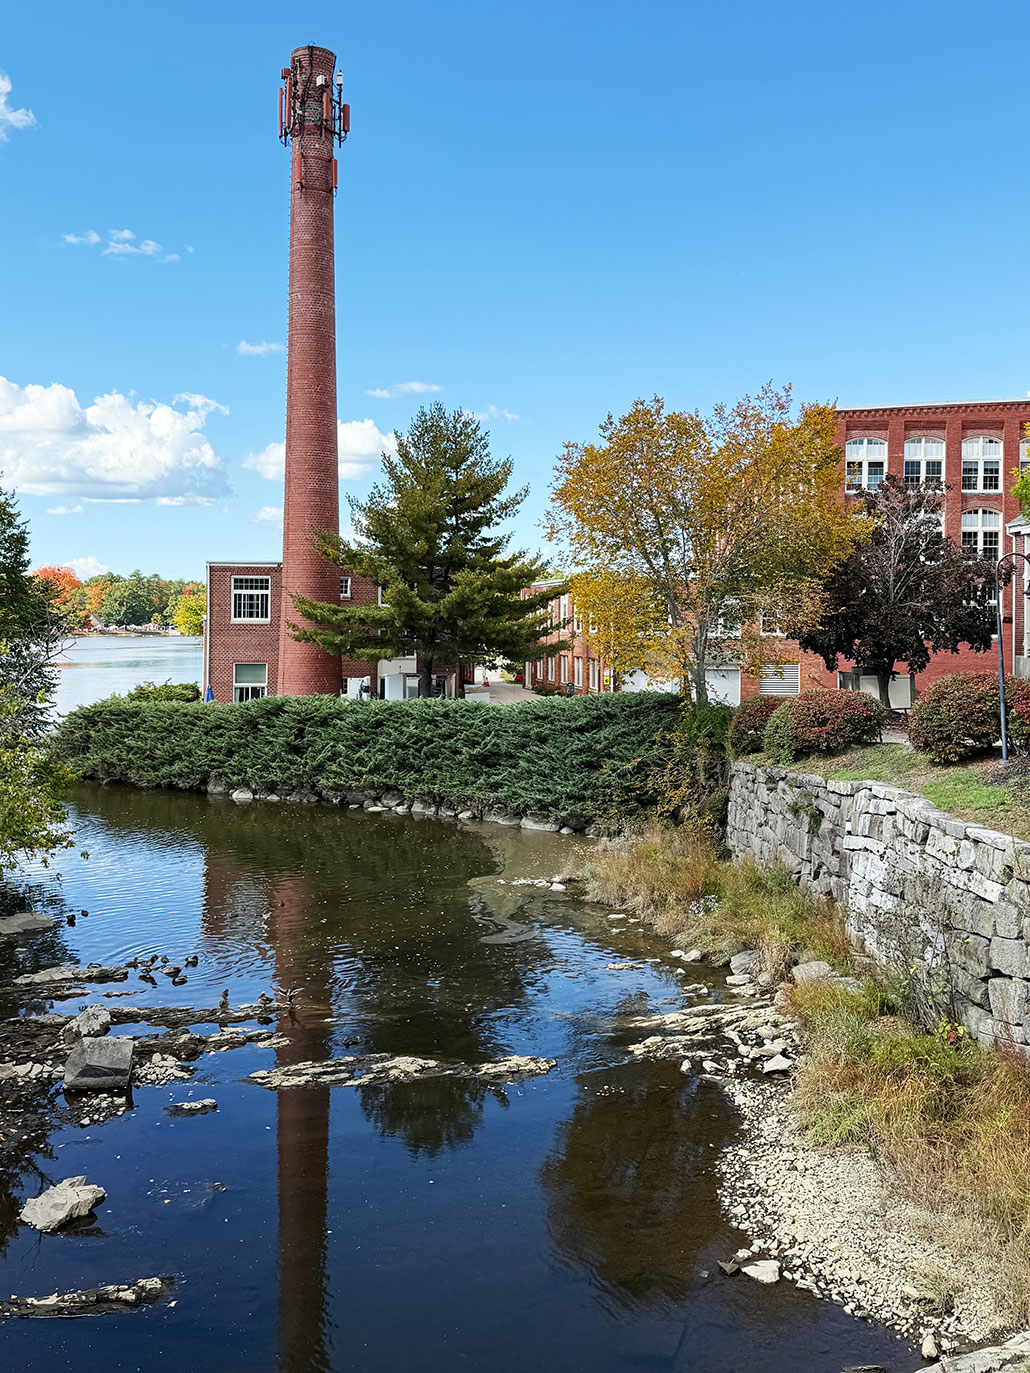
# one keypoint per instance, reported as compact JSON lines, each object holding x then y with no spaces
{"x":575,"y":759}
{"x":959,"y":715}
{"x":814,"y":722}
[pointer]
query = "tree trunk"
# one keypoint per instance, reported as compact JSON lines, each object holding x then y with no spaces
{"x":884,"y":677}
{"x":425,"y":678}
{"x":700,"y":680}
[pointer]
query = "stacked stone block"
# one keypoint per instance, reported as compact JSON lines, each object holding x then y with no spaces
{"x":917,"y":888}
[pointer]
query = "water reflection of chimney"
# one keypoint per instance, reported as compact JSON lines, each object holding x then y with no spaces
{"x":302,"y":1134}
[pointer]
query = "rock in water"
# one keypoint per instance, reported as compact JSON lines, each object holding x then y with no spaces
{"x":94,"y":1301}
{"x":58,"y":1205}
{"x":762,"y":1270}
{"x":749,"y":962}
{"x":779,"y":1064}
{"x":26,"y":922}
{"x":91,"y":1023}
{"x":99,"y":1065}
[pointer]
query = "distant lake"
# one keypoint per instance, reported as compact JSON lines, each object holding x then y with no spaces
{"x":94,"y":667}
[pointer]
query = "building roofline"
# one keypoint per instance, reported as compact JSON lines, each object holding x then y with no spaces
{"x":244,"y":562}
{"x":934,"y":405}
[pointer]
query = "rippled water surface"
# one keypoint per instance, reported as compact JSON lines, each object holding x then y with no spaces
{"x":565,"y":1223}
{"x":95,"y":666}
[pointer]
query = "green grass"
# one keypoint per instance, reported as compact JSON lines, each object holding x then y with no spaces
{"x":964,"y":790}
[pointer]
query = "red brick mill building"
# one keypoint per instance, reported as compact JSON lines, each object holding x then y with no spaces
{"x":976,"y":449}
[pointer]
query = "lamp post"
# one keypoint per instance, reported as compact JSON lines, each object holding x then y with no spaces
{"x":1008,"y":557}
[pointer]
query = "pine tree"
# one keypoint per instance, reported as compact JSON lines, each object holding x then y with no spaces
{"x":429,"y":536}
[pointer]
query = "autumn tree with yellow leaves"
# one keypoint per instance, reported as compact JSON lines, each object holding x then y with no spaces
{"x":687,"y":529}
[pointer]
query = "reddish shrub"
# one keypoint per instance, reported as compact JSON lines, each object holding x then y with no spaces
{"x":822,"y":722}
{"x":959,"y":716}
{"x":747,"y":728}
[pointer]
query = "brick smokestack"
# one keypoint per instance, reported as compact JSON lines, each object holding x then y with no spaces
{"x":312,"y":121}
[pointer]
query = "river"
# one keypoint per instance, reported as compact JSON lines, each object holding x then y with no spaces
{"x":566,"y":1223}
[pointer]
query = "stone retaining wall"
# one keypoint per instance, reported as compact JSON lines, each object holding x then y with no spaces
{"x":917,"y":887}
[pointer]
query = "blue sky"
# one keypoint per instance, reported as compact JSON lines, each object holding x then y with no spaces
{"x":546,"y":209}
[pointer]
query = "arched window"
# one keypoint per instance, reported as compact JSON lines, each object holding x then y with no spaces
{"x":1024,"y":455}
{"x":981,"y":464}
{"x":981,"y":531}
{"x":865,"y":464}
{"x":924,"y":461}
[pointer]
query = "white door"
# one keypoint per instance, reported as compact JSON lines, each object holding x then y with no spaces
{"x":723,"y":685}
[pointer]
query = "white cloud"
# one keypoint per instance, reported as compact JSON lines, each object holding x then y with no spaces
{"x":11,"y":118}
{"x":404,"y":388}
{"x":122,"y":243}
{"x":492,"y":412}
{"x":65,"y":510}
{"x":120,"y":248}
{"x":84,"y":568}
{"x":112,"y":450}
{"x":258,"y":350}
{"x":273,"y":514}
{"x":186,"y":500}
{"x":359,"y":444}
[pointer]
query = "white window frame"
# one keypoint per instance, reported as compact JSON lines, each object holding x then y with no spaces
{"x":924,"y":460}
{"x":780,"y":679}
{"x":982,"y":458}
{"x":770,"y":617}
{"x":577,"y":620}
{"x":865,"y":464}
{"x":978,"y":523}
{"x":242,"y":596}
{"x":593,"y":674}
{"x":563,"y":669}
{"x":577,"y":670}
{"x":1024,"y":455}
{"x":345,"y":585}
{"x":550,"y":668}
{"x":254,"y":690}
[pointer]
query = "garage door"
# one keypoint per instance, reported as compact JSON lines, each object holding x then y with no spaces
{"x":723,"y":685}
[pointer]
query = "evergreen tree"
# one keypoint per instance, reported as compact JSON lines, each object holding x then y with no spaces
{"x":429,"y":537}
{"x":32,"y":629}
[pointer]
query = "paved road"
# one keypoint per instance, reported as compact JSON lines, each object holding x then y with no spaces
{"x":510,"y":693}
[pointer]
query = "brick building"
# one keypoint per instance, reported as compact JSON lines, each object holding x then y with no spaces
{"x":578,"y":670}
{"x":974,"y":448}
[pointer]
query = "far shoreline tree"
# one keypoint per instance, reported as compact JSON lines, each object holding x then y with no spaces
{"x":429,"y":536}
{"x":906,"y":593}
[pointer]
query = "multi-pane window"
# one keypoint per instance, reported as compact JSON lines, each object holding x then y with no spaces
{"x":249,"y":681}
{"x":981,"y":532}
{"x":251,"y":597}
{"x":564,"y":667}
{"x":344,"y":588}
{"x":550,"y":669}
{"x":981,"y":464}
{"x":540,"y":667}
{"x":769,"y":623}
{"x":1024,"y":455}
{"x":725,"y":625}
{"x":577,"y":671}
{"x":924,"y":461}
{"x":593,"y":674}
{"x":865,"y":464}
{"x":577,"y":620}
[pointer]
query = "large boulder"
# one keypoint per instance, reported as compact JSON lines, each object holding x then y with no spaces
{"x":26,"y":922}
{"x":91,"y":1023}
{"x":814,"y":971}
{"x":58,"y":1205}
{"x":99,"y":1065}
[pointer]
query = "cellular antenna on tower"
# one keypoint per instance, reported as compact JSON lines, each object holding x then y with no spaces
{"x":313,"y":120}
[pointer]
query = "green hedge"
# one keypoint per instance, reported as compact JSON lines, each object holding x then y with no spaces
{"x":582,"y":757}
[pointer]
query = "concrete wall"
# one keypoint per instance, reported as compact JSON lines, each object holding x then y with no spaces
{"x":916,"y":887}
